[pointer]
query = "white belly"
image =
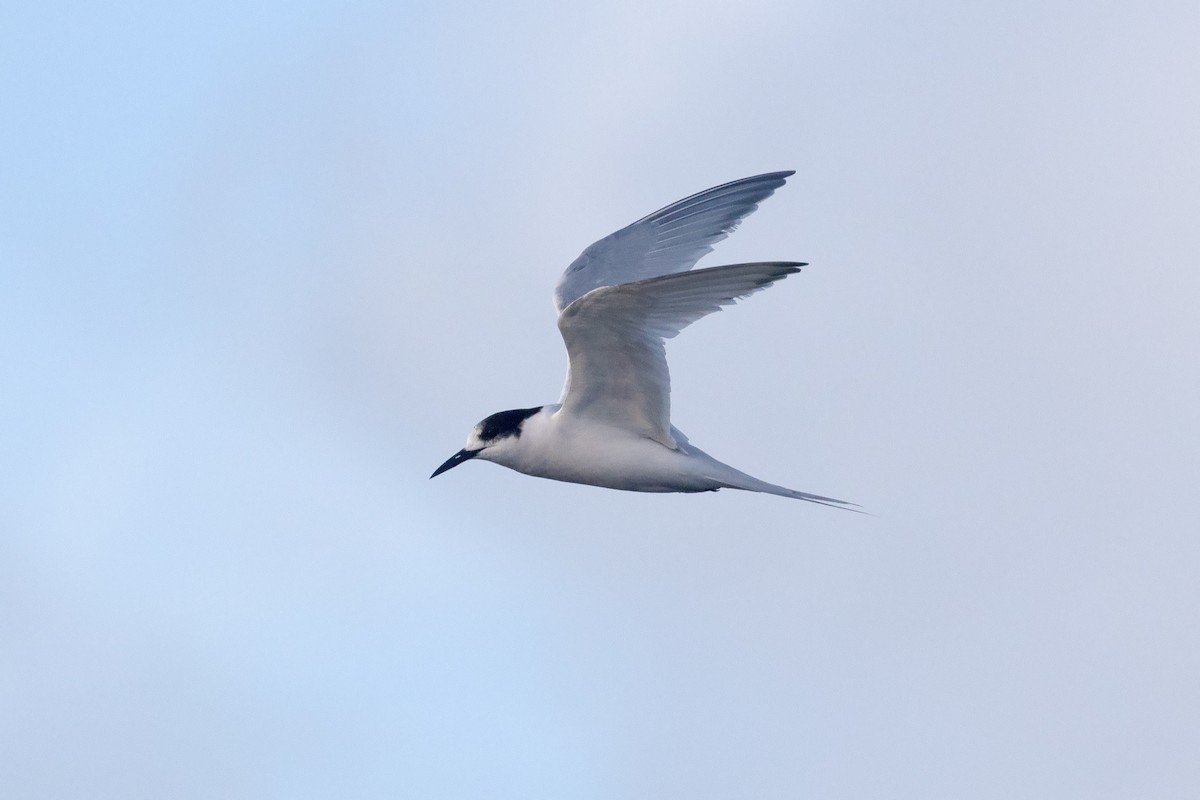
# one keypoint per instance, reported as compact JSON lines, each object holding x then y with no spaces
{"x":598,"y":455}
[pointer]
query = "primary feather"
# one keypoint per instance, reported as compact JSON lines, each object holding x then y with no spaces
{"x":671,"y":239}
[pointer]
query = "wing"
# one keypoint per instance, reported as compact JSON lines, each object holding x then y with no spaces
{"x":615,"y":340}
{"x":670,"y":240}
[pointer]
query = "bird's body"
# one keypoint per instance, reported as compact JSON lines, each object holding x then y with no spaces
{"x":553,"y":445}
{"x":617,"y":304}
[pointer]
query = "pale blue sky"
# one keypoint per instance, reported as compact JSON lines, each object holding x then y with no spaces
{"x":263,"y":265}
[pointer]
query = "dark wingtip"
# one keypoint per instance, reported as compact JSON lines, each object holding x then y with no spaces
{"x":781,"y":176}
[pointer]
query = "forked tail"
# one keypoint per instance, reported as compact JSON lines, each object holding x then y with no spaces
{"x":735,"y":479}
{"x":727,"y":477}
{"x":755,"y":485}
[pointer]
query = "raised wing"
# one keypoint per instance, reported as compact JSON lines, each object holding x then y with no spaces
{"x":670,"y":240}
{"x":615,"y":334}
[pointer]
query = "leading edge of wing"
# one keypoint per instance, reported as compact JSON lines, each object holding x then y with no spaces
{"x":670,"y":240}
{"x":615,"y":340}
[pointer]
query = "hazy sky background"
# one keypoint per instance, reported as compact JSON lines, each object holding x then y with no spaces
{"x":263,"y":265}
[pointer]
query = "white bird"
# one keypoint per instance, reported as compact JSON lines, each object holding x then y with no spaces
{"x":617,"y":303}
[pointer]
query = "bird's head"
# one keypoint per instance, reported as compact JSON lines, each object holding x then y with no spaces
{"x":491,"y":438}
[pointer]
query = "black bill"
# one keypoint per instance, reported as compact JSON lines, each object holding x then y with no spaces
{"x":455,"y":460}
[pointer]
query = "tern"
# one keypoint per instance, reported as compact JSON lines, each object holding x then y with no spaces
{"x":617,"y":304}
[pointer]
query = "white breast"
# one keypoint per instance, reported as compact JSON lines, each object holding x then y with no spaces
{"x":557,"y":446}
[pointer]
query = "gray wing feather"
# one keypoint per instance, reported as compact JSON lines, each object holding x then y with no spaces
{"x":615,"y":341}
{"x":670,"y":240}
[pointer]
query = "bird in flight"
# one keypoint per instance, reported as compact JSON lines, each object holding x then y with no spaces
{"x":617,"y":304}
